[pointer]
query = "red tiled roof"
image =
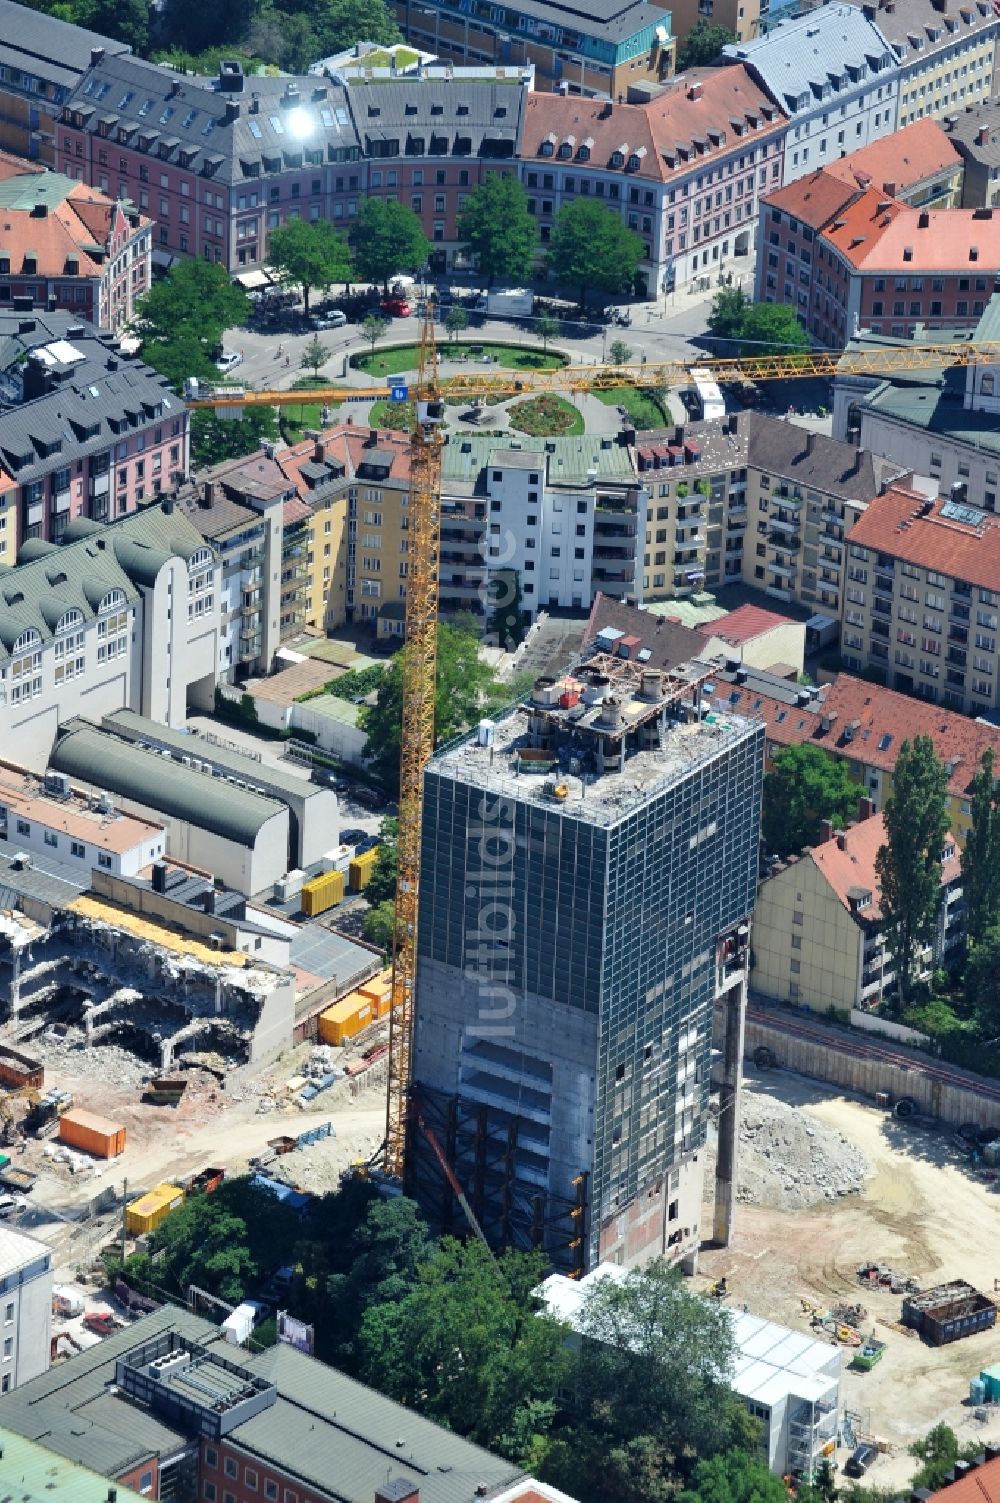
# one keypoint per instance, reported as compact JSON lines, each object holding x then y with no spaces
{"x":853,"y":866}
{"x":910,"y":156}
{"x":982,"y":1485}
{"x":906,"y":525}
{"x":677,"y":117}
{"x":814,"y":199}
{"x":883,"y":719}
{"x":294,"y":510}
{"x":876,"y":233}
{"x":83,"y":219}
{"x":743,"y":624}
{"x":787,"y":725}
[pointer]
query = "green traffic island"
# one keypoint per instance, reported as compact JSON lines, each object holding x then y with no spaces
{"x":645,"y":409}
{"x":547,"y":416}
{"x":402,"y":359}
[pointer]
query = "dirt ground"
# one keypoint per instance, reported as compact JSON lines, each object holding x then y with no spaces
{"x":924,"y":1212}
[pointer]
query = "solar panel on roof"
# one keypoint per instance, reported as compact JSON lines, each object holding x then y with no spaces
{"x":957,"y":511}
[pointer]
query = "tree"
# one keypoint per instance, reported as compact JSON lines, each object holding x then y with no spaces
{"x":194,"y":294}
{"x":386,"y":239}
{"x":729,"y":309}
{"x":909,"y":864}
{"x":311,"y":254}
{"x":314,"y":356}
{"x":591,"y":249}
{"x":373,"y":327}
{"x":733,"y":1477}
{"x":339,"y":24}
{"x":196,"y":27}
{"x":463,"y":681}
{"x":455,"y":320}
{"x":772,"y":329}
{"x":126,"y":20}
{"x":620,"y":353}
{"x":981,"y":857}
{"x":504,"y":625}
{"x":937,"y":1453}
{"x":805,"y":786}
{"x":384,"y":1252}
{"x":546,"y":328}
{"x":381,"y":885}
{"x":213,"y":439}
{"x":498,"y":230}
{"x":982,"y":983}
{"x":702,"y":45}
{"x":379,"y":925}
{"x":469,"y":1348}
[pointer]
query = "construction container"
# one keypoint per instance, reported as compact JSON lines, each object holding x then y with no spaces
{"x":990,"y":1379}
{"x":19,"y":1070}
{"x":322,"y":892}
{"x":345,"y":1018}
{"x":379,"y":989}
{"x":94,"y":1134}
{"x":361,"y":868}
{"x":868,"y":1354}
{"x":144,"y":1215}
{"x":949,"y":1312}
{"x":977,"y":1391}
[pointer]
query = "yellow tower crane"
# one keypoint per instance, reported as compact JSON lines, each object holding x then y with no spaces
{"x":420,"y":625}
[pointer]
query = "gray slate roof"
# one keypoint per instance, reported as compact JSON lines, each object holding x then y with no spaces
{"x":803,"y":56}
{"x":963,"y":130}
{"x":611,"y":20}
{"x":47,"y":48}
{"x":191,"y":112}
{"x":911,"y":26}
{"x":338,"y":1436}
{"x":96,"y":397}
{"x":104,"y":761}
{"x":487,"y":115}
{"x":90,"y":562}
{"x":812,"y":460}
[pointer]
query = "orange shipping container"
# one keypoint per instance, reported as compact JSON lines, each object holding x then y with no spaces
{"x":379,"y":989}
{"x":94,"y":1134}
{"x":345,"y":1018}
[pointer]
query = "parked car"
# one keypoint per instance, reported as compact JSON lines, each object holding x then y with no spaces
{"x":228,"y":359}
{"x":335,"y":319}
{"x":859,"y":1461}
{"x":353,"y":837}
{"x":396,"y":307}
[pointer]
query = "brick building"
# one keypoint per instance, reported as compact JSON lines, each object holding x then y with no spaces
{"x":72,"y":247}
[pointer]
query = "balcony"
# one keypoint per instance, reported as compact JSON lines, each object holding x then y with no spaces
{"x":958,"y":634}
{"x":786,"y":543}
{"x":959,"y":612}
{"x":785,"y":524}
{"x":881,"y":629}
{"x":782,"y":571}
{"x":957,"y":656}
{"x":614,"y":576}
{"x":882,"y":607}
{"x":883,"y":582}
{"x":620,"y":553}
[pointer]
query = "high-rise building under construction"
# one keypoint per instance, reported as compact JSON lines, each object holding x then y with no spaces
{"x":588,"y":871}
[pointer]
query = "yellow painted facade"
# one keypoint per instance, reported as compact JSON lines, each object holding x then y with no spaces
{"x":805,"y":945}
{"x":949,"y":78}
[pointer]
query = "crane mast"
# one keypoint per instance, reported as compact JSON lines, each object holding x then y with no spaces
{"x":419,"y":680}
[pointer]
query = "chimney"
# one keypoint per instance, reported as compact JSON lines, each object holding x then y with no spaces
{"x":694,"y":92}
{"x":810,"y":442}
{"x":175,"y":88}
{"x":96,"y":56}
{"x":982,"y":135}
{"x":208,"y":898}
{"x":319,"y":451}
{"x":399,"y":1490}
{"x":40,"y":211}
{"x":679,"y":434}
{"x":866,"y":809}
{"x":889,"y":189}
{"x":232,"y":112}
{"x":825,"y":831}
{"x":159,"y":876}
{"x":842,"y":840}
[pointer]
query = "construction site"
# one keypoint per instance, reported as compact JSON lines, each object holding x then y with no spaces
{"x":912,"y":1212}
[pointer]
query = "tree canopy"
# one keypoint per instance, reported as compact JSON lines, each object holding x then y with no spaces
{"x":187,"y":312}
{"x":381,"y":885}
{"x":497,"y":229}
{"x":214,"y":439}
{"x":468,"y":1347}
{"x":311,"y":253}
{"x":463,"y":682}
{"x":758,"y":328}
{"x":387,"y":239}
{"x":593,"y":250}
{"x":909,"y":864}
{"x":805,"y":786}
{"x":702,"y":44}
{"x":733,"y":1477}
{"x":981,"y":857}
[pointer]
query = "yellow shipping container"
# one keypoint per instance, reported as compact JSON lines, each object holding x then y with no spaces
{"x":380,"y":991}
{"x":361,"y":868}
{"x":145,"y":1214}
{"x":345,"y":1018}
{"x":322,"y":892}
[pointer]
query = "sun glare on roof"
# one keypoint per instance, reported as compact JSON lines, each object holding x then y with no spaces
{"x":300,"y":123}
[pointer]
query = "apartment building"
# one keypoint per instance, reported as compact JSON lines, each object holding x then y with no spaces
{"x":114,"y":616}
{"x":741,"y":17}
{"x":41,"y":61}
{"x":46,"y":816}
{"x":88,"y":434}
{"x":919,"y":164}
{"x":25,"y":1308}
{"x":579,"y":1034}
{"x":846,"y":257}
{"x":67,"y":246}
{"x":753,"y":498}
{"x":594,"y":47}
{"x":975,"y":134}
{"x":684,"y":165}
{"x":922,"y":598}
{"x":818,"y":935}
{"x":834,"y":75}
{"x":946,"y":53}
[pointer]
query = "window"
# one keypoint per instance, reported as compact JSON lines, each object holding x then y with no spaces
{"x":105,"y":860}
{"x":145,"y":1482}
{"x":77,"y":848}
{"x":8,"y":1347}
{"x":230,"y":1468}
{"x":271,"y":1491}
{"x":51,"y":838}
{"x":8,"y":1314}
{"x":208,"y":1492}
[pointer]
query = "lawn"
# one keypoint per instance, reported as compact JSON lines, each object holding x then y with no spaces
{"x":398,"y":415}
{"x":643,"y":407}
{"x":297,"y":416}
{"x":548,"y":416}
{"x":402,"y":359}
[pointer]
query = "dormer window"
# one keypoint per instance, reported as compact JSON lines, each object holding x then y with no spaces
{"x":617,"y":159}
{"x":565,"y":150}
{"x":546,"y":149}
